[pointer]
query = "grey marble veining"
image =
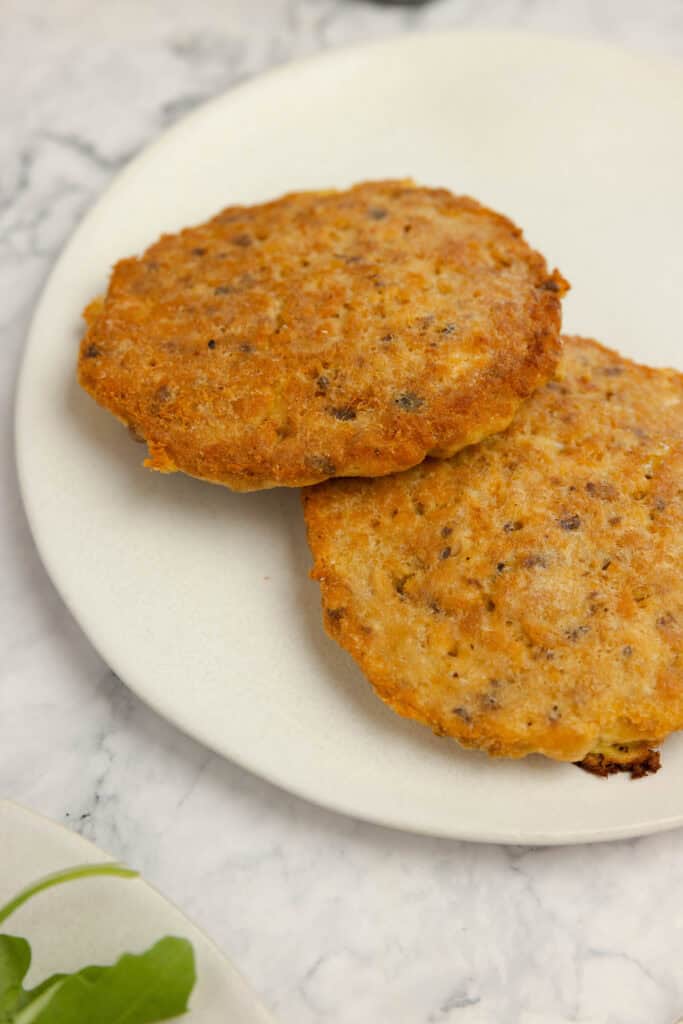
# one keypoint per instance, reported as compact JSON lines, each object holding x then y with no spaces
{"x":333,"y":921}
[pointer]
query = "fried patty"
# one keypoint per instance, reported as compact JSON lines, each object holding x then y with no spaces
{"x":324,"y":334}
{"x":526,"y":595}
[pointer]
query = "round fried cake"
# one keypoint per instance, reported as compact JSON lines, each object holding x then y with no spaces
{"x":526,"y":595}
{"x":324,"y":334}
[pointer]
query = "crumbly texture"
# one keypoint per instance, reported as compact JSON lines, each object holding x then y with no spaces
{"x":638,"y":759}
{"x":324,"y":334}
{"x":526,"y":595}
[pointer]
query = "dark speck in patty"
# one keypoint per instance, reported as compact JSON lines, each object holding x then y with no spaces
{"x":464,"y":714}
{"x":513,"y":526}
{"x":409,"y":402}
{"x":344,"y":412}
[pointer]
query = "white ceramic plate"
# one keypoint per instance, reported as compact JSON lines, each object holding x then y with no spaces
{"x":199,"y":598}
{"x":98,"y":919}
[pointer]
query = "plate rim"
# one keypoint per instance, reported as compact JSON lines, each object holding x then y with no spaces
{"x":333,"y":802}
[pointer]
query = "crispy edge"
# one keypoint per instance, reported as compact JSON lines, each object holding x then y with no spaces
{"x":495,"y":398}
{"x":486,"y":407}
{"x":637,"y":756}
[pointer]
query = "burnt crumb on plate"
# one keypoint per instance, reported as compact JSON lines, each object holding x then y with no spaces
{"x":646,"y":762}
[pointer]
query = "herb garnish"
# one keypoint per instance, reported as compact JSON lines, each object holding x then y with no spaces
{"x":137,"y":989}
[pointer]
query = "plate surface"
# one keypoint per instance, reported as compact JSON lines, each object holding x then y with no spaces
{"x":98,"y":919}
{"x":199,"y":598}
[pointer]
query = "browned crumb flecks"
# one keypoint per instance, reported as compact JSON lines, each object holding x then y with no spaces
{"x":639,"y":762}
{"x":526,"y":595}
{"x":324,"y":334}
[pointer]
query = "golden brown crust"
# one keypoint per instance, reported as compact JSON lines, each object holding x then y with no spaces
{"x":324,"y":334}
{"x":526,"y":595}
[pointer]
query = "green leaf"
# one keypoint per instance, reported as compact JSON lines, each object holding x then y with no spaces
{"x":138,"y":989}
{"x":152,"y":986}
{"x":15,"y":960}
{"x":33,"y":1002}
{"x":15,"y":952}
{"x":70,"y":875}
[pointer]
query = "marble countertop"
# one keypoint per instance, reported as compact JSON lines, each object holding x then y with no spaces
{"x":331,"y":920}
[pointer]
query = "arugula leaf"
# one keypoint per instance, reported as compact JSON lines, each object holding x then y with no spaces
{"x":31,"y":1003}
{"x":152,"y":986}
{"x":15,"y":960}
{"x":138,"y":989}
